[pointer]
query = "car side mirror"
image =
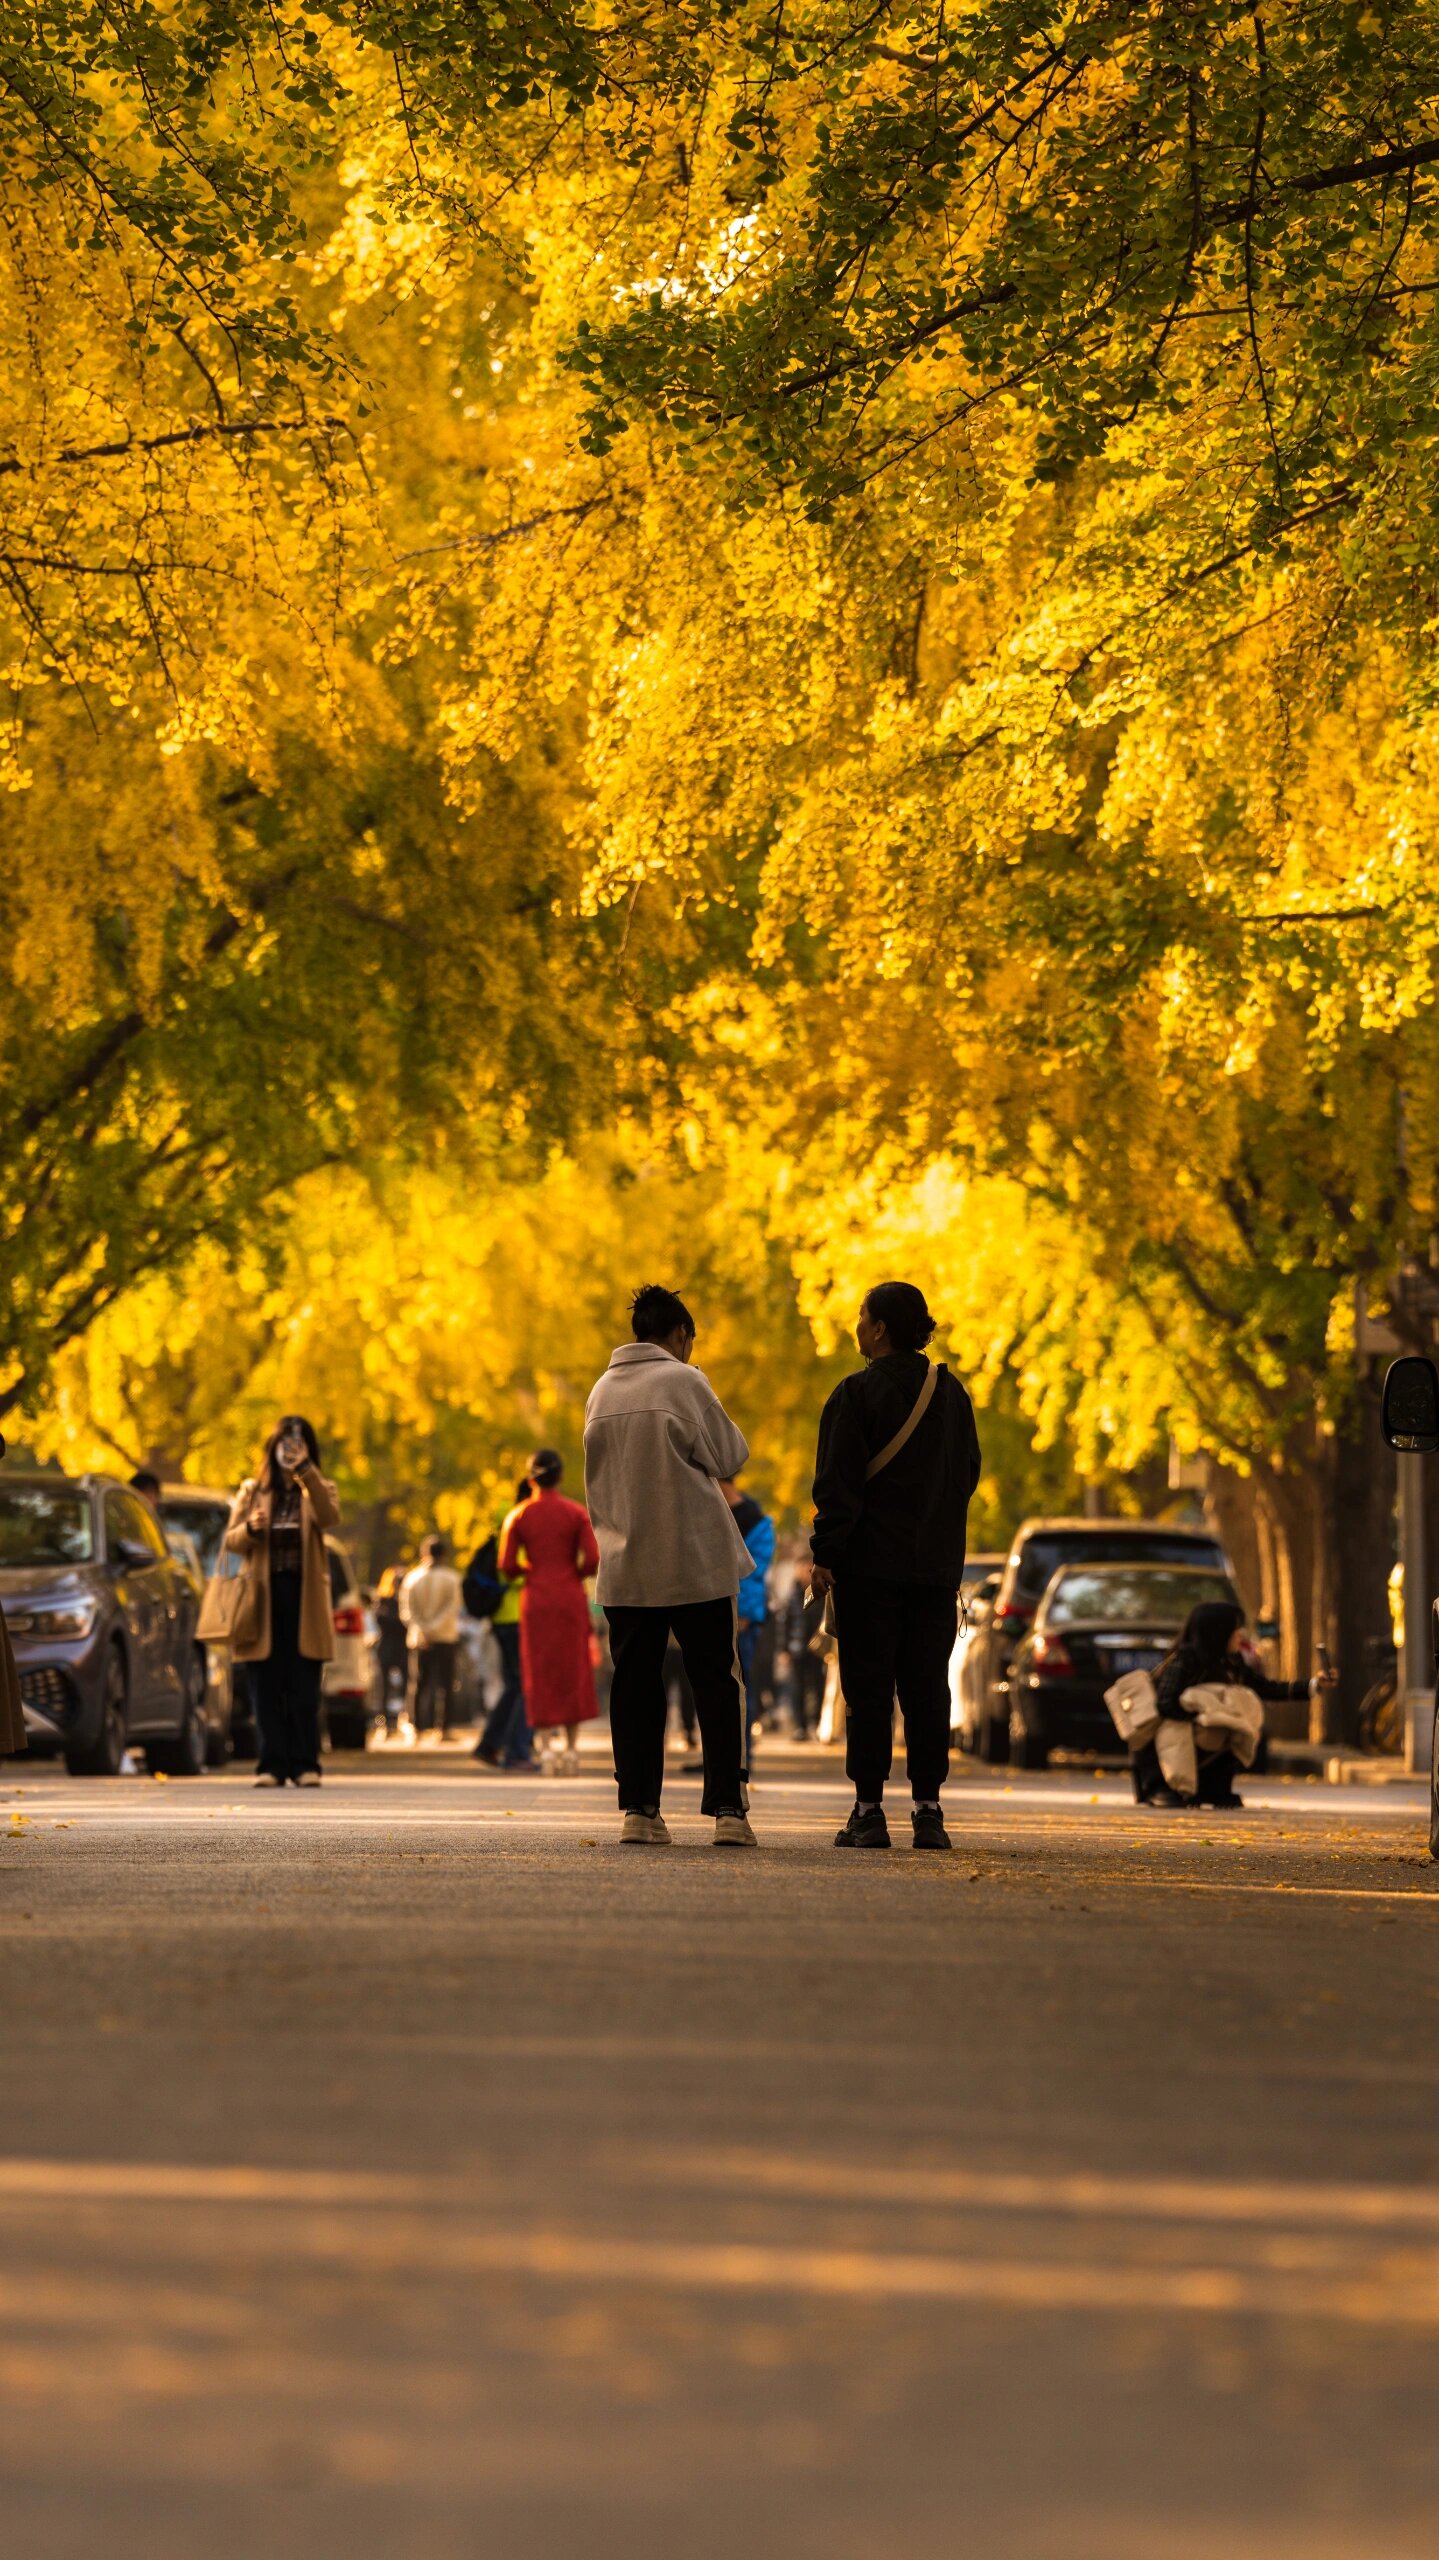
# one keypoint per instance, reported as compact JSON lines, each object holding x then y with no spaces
{"x":1411,"y":1404}
{"x":132,"y":1551}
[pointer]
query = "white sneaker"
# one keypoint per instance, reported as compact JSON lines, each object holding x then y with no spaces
{"x":572,"y":1764}
{"x":732,"y":1831}
{"x":644,"y":1830}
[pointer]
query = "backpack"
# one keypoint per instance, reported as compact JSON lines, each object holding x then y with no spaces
{"x":482,"y":1587}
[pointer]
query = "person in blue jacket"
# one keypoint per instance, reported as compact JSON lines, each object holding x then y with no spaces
{"x":757,"y":1530}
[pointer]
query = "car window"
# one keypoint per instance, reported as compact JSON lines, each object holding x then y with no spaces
{"x":203,"y":1521}
{"x":41,"y":1524}
{"x":1149,"y":1593}
{"x":340,"y":1575}
{"x":1041,"y":1557}
{"x":126,"y":1516}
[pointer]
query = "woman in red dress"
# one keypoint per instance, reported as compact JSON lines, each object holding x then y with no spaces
{"x":550,"y":1542}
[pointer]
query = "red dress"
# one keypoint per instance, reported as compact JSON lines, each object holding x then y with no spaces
{"x":549,"y":1540}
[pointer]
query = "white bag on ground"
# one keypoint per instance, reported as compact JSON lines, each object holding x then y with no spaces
{"x":1229,"y":1717}
{"x":1133,"y":1706}
{"x":1178,"y":1758}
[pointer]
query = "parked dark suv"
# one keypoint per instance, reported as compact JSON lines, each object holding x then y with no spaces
{"x":1039,"y":1550}
{"x":102,"y":1620}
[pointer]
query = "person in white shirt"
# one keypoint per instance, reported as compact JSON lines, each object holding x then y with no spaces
{"x":658,"y":1447}
{"x":430,"y":1609}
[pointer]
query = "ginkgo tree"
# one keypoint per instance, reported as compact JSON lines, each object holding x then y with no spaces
{"x":855,"y":584}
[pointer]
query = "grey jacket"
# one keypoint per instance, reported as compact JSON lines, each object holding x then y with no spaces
{"x":657,"y":1444}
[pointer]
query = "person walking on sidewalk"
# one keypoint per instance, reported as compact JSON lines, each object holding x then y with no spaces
{"x":757,"y":1530}
{"x":505,"y":1742}
{"x":430,"y":1608}
{"x":277,"y":1525}
{"x":658,"y":1448}
{"x":898,"y":1461}
{"x":392,"y":1652}
{"x":548,"y":1539}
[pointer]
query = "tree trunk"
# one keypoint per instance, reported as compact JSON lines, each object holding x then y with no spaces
{"x":1361,"y":1541}
{"x":1289,"y":1491}
{"x":1231,"y":1509}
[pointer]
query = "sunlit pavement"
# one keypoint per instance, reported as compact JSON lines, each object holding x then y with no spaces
{"x":406,"y":2168}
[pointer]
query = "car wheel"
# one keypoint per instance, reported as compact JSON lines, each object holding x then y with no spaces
{"x":994,"y":1740}
{"x":1025,"y":1748}
{"x":348,"y":1728}
{"x":103,"y":1756}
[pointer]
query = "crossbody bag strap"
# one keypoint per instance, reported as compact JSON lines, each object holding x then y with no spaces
{"x":910,"y":1424}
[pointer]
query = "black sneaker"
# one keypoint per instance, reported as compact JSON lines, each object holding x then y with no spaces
{"x":929,"y":1830}
{"x":864,"y":1830}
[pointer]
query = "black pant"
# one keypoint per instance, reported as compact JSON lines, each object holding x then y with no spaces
{"x":705,"y":1632}
{"x":434,"y":1685}
{"x":806,"y":1691}
{"x":895,"y":1636}
{"x":506,"y":1736}
{"x":287,"y":1689}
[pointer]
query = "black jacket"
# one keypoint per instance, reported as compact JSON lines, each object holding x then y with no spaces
{"x":1188,"y":1668}
{"x":907,"y":1523}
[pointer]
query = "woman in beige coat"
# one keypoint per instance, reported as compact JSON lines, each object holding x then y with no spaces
{"x":277,"y":1525}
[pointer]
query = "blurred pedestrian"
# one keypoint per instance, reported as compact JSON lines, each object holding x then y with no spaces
{"x":147,"y":1484}
{"x":757,"y":1530}
{"x":898,"y":1461}
{"x":799,"y":1619}
{"x":505,"y":1742}
{"x":277,"y":1526}
{"x":392,"y":1648}
{"x":548,"y":1539}
{"x":658,"y":1447}
{"x":430,"y":1607}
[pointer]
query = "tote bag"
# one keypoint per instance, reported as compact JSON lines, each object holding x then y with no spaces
{"x":230,"y":1608}
{"x":1133,"y":1706}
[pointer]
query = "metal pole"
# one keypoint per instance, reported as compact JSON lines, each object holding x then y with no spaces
{"x":1416,"y":1669}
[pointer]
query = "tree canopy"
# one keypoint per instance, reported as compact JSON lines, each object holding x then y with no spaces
{"x":854,"y":585}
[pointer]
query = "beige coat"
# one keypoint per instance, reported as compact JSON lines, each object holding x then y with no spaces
{"x":657,"y":1444}
{"x":320,"y":1510}
{"x":12,"y":1721}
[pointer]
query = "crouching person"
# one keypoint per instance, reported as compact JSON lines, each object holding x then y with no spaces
{"x":1189,"y":1758}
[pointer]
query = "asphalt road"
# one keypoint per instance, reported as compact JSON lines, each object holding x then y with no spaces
{"x":409,"y":2170}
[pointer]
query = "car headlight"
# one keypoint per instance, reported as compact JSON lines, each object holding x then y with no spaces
{"x":75,"y":1619}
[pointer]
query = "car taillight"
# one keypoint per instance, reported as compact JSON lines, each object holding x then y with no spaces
{"x":1014,"y":1612}
{"x":350,"y":1619}
{"x":1051,"y":1658}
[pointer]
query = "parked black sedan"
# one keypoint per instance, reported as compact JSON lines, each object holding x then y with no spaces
{"x":102,"y":1620}
{"x":1094,"y":1622}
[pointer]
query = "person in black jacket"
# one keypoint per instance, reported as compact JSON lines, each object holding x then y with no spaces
{"x":888,"y":1543}
{"x":1211,"y":1650}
